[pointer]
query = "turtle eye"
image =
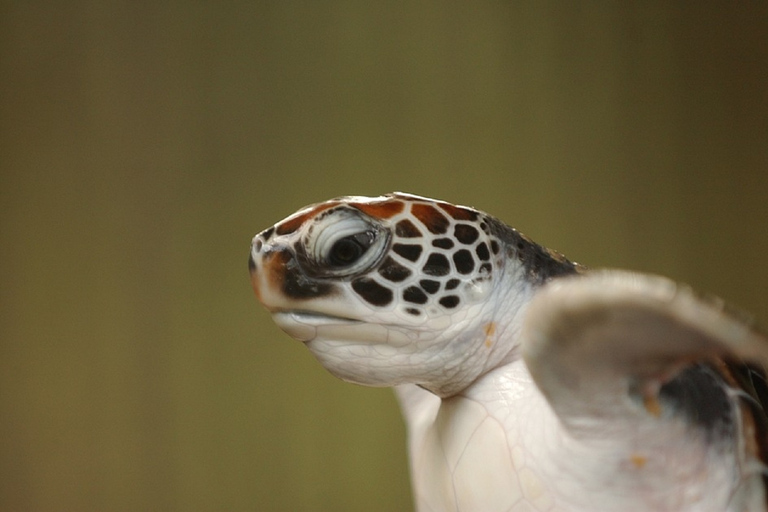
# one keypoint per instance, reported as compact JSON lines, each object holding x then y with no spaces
{"x":349,"y":249}
{"x":343,"y":242}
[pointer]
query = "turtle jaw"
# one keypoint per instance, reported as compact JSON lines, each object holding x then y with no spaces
{"x":303,"y":325}
{"x":358,"y":351}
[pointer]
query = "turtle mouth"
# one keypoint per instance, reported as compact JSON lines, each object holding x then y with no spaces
{"x":303,"y":325}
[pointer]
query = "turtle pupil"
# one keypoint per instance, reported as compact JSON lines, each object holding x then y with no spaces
{"x":349,"y":249}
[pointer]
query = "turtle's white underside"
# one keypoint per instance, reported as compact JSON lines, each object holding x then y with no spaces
{"x":470,"y":454}
{"x":499,"y":445}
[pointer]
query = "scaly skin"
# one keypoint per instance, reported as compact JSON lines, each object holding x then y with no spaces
{"x":434,"y":300}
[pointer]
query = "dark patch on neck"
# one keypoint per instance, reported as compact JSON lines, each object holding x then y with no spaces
{"x":540,"y":264}
{"x":702,"y":394}
{"x":699,"y":395}
{"x":751,"y":380}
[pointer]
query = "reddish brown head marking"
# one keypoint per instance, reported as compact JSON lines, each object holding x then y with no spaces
{"x":430,"y":217}
{"x":273,"y":267}
{"x":381,"y":209}
{"x":458,"y":213}
{"x":255,"y":284}
{"x":291,"y":224}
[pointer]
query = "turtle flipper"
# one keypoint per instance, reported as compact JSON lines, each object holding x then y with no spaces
{"x":601,"y":344}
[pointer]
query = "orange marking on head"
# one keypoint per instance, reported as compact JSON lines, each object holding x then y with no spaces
{"x":274,"y":265}
{"x":430,"y":217}
{"x":255,"y":283}
{"x":638,"y":460}
{"x":749,"y":428}
{"x":381,"y":209}
{"x":293,"y":223}
{"x":457,"y":212}
{"x":272,"y":270}
{"x":652,"y":405}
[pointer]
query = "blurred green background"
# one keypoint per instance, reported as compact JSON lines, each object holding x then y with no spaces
{"x":142,"y":144}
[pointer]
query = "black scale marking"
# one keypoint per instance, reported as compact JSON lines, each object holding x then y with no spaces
{"x":449,"y":301}
{"x":393,"y":271}
{"x":437,"y":265}
{"x":482,"y":252}
{"x":465,"y":234}
{"x":415,"y":295}
{"x":406,"y":229}
{"x":430,"y":286}
{"x":408,"y":251}
{"x":372,"y":292}
{"x":464,"y":261}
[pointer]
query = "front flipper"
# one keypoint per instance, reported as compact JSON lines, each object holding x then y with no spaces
{"x":607,"y":345}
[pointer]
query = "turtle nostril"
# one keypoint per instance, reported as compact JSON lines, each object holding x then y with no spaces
{"x":251,"y":263}
{"x":257,"y":245}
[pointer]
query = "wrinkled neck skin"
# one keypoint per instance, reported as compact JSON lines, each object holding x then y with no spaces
{"x":493,"y":353}
{"x":487,"y":339}
{"x":477,"y":351}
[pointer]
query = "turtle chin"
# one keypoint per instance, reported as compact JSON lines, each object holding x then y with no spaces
{"x":355,"y":351}
{"x":367,"y":363}
{"x":366,"y":353}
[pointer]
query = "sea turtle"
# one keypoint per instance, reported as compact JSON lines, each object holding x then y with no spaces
{"x":527,"y":381}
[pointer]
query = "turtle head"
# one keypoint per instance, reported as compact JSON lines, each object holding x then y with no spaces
{"x":389,"y":290}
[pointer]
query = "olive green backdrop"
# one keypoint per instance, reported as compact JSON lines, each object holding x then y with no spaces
{"x":142,"y":144}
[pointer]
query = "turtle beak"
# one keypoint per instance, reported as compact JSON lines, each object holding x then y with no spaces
{"x":251,"y":264}
{"x":252,"y":271}
{"x":267,"y":265}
